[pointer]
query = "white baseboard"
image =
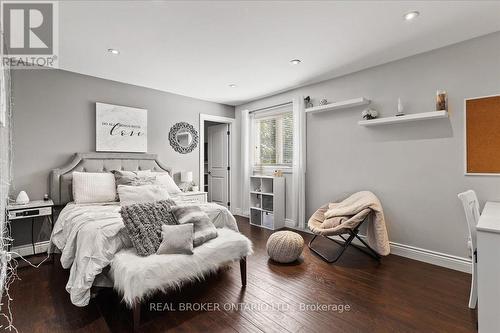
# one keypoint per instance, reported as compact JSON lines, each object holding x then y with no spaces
{"x":432,"y":257}
{"x":27,"y":250}
{"x":240,"y":212}
{"x":289,"y":223}
{"x":424,"y":255}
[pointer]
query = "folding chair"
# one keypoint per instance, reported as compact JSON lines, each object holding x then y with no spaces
{"x":349,"y":227}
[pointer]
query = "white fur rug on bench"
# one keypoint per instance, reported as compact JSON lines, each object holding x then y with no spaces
{"x":137,"y":277}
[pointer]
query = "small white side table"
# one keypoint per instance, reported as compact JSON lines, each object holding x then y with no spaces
{"x":37,"y":208}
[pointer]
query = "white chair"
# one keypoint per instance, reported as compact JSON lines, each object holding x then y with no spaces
{"x":471,"y":208}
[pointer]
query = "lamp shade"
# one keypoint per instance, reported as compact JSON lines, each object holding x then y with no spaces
{"x":186,"y":176}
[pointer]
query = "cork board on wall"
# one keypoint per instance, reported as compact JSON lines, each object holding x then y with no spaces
{"x":482,"y":121}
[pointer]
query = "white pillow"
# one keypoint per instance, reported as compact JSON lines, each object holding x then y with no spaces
{"x":130,"y":195}
{"x":163,"y":179}
{"x":93,"y":187}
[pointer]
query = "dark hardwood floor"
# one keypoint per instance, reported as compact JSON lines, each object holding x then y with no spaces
{"x":397,"y":295}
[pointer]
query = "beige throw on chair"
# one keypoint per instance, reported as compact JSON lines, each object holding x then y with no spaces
{"x":348,"y":214}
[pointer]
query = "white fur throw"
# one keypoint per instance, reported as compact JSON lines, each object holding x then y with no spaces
{"x":137,"y":277}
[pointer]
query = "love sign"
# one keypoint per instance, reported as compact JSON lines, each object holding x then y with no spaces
{"x":121,"y":128}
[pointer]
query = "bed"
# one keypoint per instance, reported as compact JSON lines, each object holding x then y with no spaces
{"x":95,"y":246}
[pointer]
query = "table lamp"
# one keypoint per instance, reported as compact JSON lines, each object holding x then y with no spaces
{"x":186,"y":176}
{"x":186,"y":180}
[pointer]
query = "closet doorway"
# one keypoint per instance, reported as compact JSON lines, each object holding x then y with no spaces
{"x":215,"y":155}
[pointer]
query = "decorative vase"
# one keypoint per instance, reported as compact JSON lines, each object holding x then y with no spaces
{"x":441,"y":100}
{"x":22,"y":198}
{"x":400,"y":108}
{"x":307,"y":100}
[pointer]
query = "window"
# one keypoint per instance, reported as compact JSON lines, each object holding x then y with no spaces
{"x":273,"y":137}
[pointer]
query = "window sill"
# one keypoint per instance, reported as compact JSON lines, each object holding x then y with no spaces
{"x":269,"y":169}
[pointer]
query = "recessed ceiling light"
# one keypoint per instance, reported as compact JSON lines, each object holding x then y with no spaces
{"x":295,"y":61}
{"x":114,"y":51}
{"x":232,"y":85}
{"x":411,"y":15}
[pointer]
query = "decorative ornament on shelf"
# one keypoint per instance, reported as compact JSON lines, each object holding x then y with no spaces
{"x":441,"y":100}
{"x":22,"y":198}
{"x":369,"y":114}
{"x":323,"y":101}
{"x":308,"y":102}
{"x":400,"y":108}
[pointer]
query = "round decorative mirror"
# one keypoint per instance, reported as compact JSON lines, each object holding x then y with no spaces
{"x":183,"y":137}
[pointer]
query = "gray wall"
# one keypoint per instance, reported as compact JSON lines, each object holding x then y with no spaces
{"x":417,"y":168}
{"x":54,"y":117}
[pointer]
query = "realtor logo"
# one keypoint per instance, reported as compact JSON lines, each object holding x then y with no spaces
{"x":30,"y":33}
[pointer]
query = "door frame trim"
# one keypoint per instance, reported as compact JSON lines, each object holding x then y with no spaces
{"x":232,"y":152}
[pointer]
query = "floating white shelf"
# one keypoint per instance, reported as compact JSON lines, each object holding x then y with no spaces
{"x":339,"y":105}
{"x":404,"y":119}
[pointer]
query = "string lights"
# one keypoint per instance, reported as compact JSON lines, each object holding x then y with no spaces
{"x":8,"y":268}
{"x":8,"y":259}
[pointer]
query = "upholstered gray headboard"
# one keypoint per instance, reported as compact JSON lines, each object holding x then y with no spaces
{"x":61,"y":179}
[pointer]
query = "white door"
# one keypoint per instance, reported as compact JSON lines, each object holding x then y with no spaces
{"x":218,"y":164}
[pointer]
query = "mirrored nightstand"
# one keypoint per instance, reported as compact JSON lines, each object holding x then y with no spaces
{"x":29,"y":211}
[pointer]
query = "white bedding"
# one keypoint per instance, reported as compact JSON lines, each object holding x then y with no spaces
{"x":89,"y":235}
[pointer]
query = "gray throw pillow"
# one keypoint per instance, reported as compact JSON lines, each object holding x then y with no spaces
{"x":204,"y":229}
{"x":132,"y":178}
{"x":176,"y":239}
{"x":143,"y":223}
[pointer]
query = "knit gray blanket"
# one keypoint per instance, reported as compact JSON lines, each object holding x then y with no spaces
{"x":143,"y":223}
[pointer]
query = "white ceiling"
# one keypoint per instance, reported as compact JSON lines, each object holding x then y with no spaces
{"x":198,"y":48}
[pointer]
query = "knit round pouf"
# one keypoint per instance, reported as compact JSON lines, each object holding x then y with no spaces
{"x":285,"y":246}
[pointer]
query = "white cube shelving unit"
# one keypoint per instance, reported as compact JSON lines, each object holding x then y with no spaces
{"x":267,"y":202}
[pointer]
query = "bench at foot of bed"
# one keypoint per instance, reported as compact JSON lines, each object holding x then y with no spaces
{"x":136,"y":307}
{"x":137,"y":277}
